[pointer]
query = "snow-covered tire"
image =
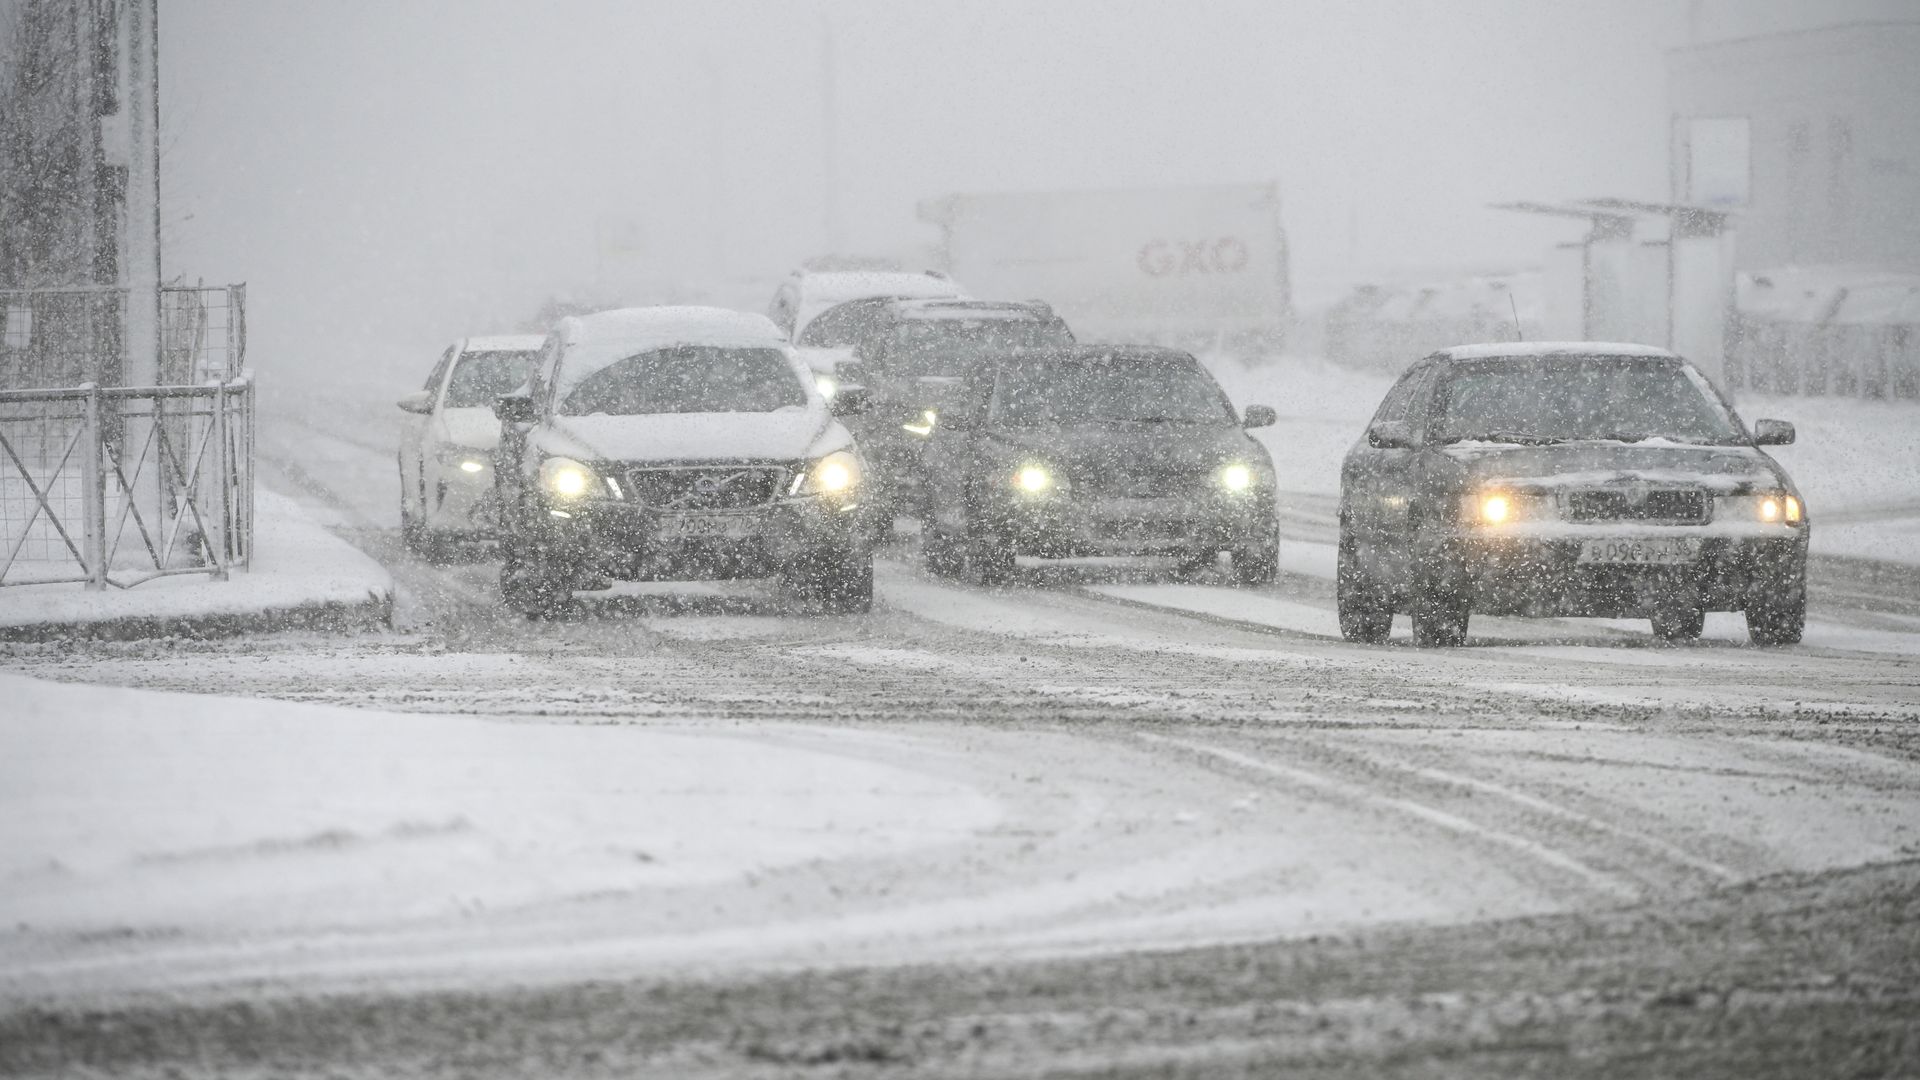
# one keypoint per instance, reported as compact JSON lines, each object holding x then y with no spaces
{"x":1257,"y":561}
{"x":1778,"y":620}
{"x":1365,"y":607}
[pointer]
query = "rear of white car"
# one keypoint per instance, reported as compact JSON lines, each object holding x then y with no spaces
{"x":447,"y":443}
{"x":825,"y":312}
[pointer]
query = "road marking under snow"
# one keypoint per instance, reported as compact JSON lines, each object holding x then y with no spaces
{"x":1560,"y":860}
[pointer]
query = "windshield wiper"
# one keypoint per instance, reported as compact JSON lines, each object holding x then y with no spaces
{"x":1520,"y":438}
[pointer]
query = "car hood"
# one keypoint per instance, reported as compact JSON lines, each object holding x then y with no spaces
{"x":1132,"y":447}
{"x":782,"y":435}
{"x":478,"y":429}
{"x":1585,"y":464}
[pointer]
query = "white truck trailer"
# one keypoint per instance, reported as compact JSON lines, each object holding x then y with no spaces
{"x":1189,"y":265}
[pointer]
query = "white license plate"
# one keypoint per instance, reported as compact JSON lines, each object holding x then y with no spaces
{"x":1665,"y":551}
{"x":706,"y":527}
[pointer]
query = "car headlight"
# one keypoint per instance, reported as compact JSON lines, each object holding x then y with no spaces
{"x":836,"y":475}
{"x":1769,"y":508}
{"x":1036,"y":479}
{"x":1500,"y":507}
{"x":464,"y":458}
{"x":826,"y":384}
{"x":566,"y":478}
{"x":1236,"y":477}
{"x":922,"y":427}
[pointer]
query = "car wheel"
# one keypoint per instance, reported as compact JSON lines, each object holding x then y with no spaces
{"x":1778,"y":617}
{"x":846,"y":586}
{"x":937,"y":553}
{"x":1366,"y":609}
{"x":1440,"y":615}
{"x":988,"y":556}
{"x":1257,"y":561}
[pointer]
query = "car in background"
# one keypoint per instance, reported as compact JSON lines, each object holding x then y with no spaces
{"x":825,"y":307}
{"x":909,"y":361}
{"x":1093,"y":450}
{"x":675,"y":443}
{"x":448,"y":439}
{"x":1567,"y":479}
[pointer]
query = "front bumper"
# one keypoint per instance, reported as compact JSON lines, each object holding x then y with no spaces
{"x":1062,"y":527}
{"x":463,"y":504}
{"x":1542,"y":572}
{"x":635,"y":543}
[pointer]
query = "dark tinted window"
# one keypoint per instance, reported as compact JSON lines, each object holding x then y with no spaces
{"x":480,"y":377}
{"x":945,"y":346}
{"x":689,"y":379}
{"x":1043,"y":392}
{"x":846,"y":325}
{"x":1566,"y":398}
{"x":1398,"y":404}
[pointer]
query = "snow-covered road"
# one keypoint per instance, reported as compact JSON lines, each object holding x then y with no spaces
{"x":691,"y":778}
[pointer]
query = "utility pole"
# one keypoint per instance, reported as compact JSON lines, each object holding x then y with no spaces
{"x":141,"y":268}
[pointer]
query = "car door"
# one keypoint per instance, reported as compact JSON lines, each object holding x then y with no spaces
{"x":414,"y":432}
{"x":1379,"y":486}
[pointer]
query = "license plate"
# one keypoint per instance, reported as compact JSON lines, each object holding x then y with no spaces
{"x":1660,"y":552}
{"x":706,"y":527}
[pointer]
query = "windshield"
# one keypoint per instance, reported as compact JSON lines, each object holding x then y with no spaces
{"x":845,"y":325}
{"x":1093,"y":392}
{"x":1563,"y":399}
{"x":689,"y":379}
{"x":480,"y":377}
{"x":944,"y":346}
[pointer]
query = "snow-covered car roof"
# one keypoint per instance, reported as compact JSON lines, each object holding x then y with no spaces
{"x":825,"y":287}
{"x":1551,"y":348}
{"x":591,"y":342}
{"x":503,"y":343}
{"x":948,"y":308}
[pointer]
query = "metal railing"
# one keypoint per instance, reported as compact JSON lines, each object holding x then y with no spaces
{"x":70,"y":336}
{"x":117,"y":486}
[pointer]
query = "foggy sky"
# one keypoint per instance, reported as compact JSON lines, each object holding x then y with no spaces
{"x":388,"y":176}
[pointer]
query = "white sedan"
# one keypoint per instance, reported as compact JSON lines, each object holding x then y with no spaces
{"x":446,"y":446}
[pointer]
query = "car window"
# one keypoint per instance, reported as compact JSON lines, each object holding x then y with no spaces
{"x":1045,"y":392}
{"x":480,"y":377}
{"x":845,"y":325}
{"x":1398,"y":404}
{"x":439,"y":372}
{"x":689,"y":379}
{"x":1569,"y":398}
{"x":946,"y":346}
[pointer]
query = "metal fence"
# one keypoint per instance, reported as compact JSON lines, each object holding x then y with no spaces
{"x":71,"y":336}
{"x":116,"y":486}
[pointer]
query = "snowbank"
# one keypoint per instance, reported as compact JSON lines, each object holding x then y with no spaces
{"x":139,"y":813}
{"x":301,"y":573}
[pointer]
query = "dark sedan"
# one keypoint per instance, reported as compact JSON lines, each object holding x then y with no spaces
{"x":1087,"y":450}
{"x":1567,"y":480}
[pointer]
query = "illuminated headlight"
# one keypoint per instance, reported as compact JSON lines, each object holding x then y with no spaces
{"x":1773,"y":508}
{"x":465,"y":459}
{"x":1236,"y":477}
{"x":1038,"y":480}
{"x":827,"y":385}
{"x":922,"y":427}
{"x":837,"y":474}
{"x":566,"y":478}
{"x":1506,"y":507}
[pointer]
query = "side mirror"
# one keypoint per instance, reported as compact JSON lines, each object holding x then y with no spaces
{"x":420,"y":403}
{"x":1260,"y":416}
{"x":1772,"y":433}
{"x":514,"y":409}
{"x":849,"y":401}
{"x":1390,"y":435}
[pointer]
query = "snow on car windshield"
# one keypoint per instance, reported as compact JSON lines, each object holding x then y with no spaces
{"x":942,"y":346}
{"x":1042,"y":393}
{"x":480,"y":377}
{"x":689,"y":379}
{"x":844,"y":326}
{"x":1569,"y":398}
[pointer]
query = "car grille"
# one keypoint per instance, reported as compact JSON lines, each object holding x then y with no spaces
{"x":721,"y":487}
{"x":1141,"y":484}
{"x":1674,"y":506}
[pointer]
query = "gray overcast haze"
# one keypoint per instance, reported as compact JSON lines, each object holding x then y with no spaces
{"x":389,"y":176}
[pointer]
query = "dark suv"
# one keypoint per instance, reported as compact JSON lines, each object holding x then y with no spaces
{"x":1097,"y":450}
{"x":1577,"y":479}
{"x":909,"y":356}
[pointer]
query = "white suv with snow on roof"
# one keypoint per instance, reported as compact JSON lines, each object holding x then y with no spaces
{"x":447,"y":441}
{"x":826,"y":312}
{"x":677,"y":443}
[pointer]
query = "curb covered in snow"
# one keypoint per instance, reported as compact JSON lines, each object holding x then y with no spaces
{"x":303,"y":577}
